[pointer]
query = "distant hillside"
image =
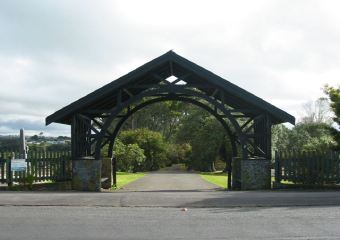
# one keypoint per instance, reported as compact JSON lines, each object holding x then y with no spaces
{"x":35,"y":143}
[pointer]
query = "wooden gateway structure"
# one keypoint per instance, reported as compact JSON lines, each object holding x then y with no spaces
{"x":96,"y":118}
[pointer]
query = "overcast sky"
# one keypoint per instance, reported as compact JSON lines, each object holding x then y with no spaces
{"x":54,"y":52}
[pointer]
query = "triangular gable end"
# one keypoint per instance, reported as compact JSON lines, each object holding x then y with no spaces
{"x":170,"y":64}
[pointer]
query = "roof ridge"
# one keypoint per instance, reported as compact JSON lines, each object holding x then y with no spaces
{"x":170,"y":55}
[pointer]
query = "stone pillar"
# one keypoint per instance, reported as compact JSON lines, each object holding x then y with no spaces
{"x":251,"y":174}
{"x":107,"y":173}
{"x":86,"y":174}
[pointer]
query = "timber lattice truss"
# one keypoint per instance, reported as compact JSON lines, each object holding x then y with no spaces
{"x":96,"y":119}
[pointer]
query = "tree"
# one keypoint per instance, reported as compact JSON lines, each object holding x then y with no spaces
{"x":129,"y":157}
{"x":163,"y":117}
{"x":205,"y":134}
{"x":9,"y":143}
{"x":317,"y":111}
{"x":305,"y":136}
{"x":152,"y":143}
{"x":311,"y":137}
{"x":312,"y":133}
{"x":34,"y":138}
{"x":59,"y":147}
{"x":280,"y":137}
{"x":189,"y":134}
{"x":334,"y":97}
{"x":179,"y":153}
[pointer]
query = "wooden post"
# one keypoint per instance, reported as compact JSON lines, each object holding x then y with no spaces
{"x":336,"y":158}
{"x":229,"y":177}
{"x":114,"y":171}
{"x":2,"y":167}
{"x":262,"y":136}
{"x":9,"y":173}
{"x":278,"y":172}
{"x":79,"y":127}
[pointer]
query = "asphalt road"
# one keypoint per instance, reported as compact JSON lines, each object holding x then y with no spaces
{"x":193,"y":199}
{"x":49,"y":223}
{"x":141,"y":211}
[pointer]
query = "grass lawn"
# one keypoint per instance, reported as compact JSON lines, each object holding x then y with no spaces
{"x":124,"y":178}
{"x":282,"y":181}
{"x":218,"y":178}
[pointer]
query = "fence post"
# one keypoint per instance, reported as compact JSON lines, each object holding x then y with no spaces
{"x":336,"y":158}
{"x":9,"y":173}
{"x":63,"y":169}
{"x":278,"y":171}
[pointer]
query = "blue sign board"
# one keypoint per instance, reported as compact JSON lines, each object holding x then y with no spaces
{"x":18,"y":165}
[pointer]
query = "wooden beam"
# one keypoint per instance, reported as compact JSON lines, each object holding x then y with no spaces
{"x":214,"y":93}
{"x":249,"y":128}
{"x":246,"y":123}
{"x":222,"y":97}
{"x":171,"y":68}
{"x":119,"y":98}
{"x":128,"y":92}
{"x":176,"y":81}
{"x":188,"y":85}
{"x":235,"y":110}
{"x":161,"y":79}
{"x":97,"y":111}
{"x":239,"y":116}
{"x":180,"y":79}
{"x":255,"y":146}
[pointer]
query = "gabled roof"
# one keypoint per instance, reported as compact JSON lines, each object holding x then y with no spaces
{"x":166,"y":65}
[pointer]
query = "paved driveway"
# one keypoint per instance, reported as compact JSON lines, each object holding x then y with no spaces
{"x":170,"y":179}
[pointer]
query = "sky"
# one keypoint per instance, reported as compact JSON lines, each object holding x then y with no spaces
{"x":55,"y":52}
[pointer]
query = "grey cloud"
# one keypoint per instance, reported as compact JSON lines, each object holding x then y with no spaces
{"x":32,"y":127}
{"x":78,"y":30}
{"x":271,"y":48}
{"x":20,"y":123}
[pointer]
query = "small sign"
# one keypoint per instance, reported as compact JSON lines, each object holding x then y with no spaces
{"x":18,"y":165}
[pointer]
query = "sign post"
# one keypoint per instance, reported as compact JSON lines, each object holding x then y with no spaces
{"x":17,"y":163}
{"x":23,"y":147}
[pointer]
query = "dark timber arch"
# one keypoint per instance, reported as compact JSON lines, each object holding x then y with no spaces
{"x":171,"y":98}
{"x":90,"y":117}
{"x":162,"y":99}
{"x":171,"y":93}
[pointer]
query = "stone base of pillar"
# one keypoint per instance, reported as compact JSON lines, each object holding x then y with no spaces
{"x":106,"y":173}
{"x":251,"y":174}
{"x":86,"y":174}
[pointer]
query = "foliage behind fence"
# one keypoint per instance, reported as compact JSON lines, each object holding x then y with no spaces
{"x":308,"y":167}
{"x":41,"y":166}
